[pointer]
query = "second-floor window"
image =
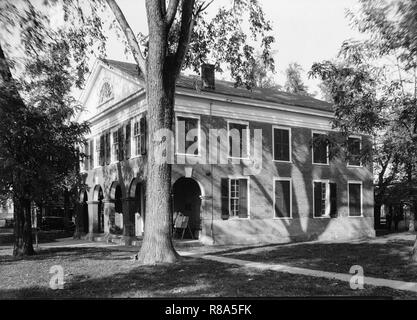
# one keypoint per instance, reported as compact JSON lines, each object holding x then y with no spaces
{"x":282,"y":144}
{"x":320,"y":149}
{"x":187,"y":135}
{"x":354,"y":151}
{"x":115,"y":146}
{"x":238,"y":133}
{"x":139,"y":136}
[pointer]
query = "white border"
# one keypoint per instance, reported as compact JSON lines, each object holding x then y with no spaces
{"x":248,"y":196}
{"x":190,"y":116}
{"x":247,"y":138}
{"x":360,"y":183}
{"x":360,"y":149}
{"x":273,"y":201}
{"x":312,"y":149}
{"x":327,"y":182}
{"x":273,"y":143}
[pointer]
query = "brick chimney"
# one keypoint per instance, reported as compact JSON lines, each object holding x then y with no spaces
{"x":207,"y":76}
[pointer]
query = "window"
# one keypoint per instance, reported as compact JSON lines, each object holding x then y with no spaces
{"x":355,"y":199}
{"x":91,"y":154}
{"x":97,"y":161}
{"x":354,"y":151}
{"x":282,"y":198}
{"x":282,"y":144}
{"x":139,"y":136}
{"x":238,"y":133}
{"x":320,"y":149}
{"x":106,"y":93}
{"x":115,"y":146}
{"x":184,"y":126}
{"x":84,"y":162}
{"x":235,"y":197}
{"x":324,"y":199}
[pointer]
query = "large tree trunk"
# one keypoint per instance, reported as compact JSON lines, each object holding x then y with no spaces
{"x":157,"y":244}
{"x":23,"y":245}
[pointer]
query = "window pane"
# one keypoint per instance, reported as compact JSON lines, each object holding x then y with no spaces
{"x":282,"y":199}
{"x":354,"y":151}
{"x":282,"y":144}
{"x":355,"y":199}
{"x":238,"y":142}
{"x":189,"y":124}
{"x":319,"y":148}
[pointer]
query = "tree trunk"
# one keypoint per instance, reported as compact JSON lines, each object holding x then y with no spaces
{"x":23,"y":245}
{"x":157,"y":244}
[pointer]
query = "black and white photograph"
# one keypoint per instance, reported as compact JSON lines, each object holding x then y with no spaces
{"x":222,"y":151}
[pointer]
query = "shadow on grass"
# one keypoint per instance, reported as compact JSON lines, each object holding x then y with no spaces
{"x":193,"y":278}
{"x":390,"y":260}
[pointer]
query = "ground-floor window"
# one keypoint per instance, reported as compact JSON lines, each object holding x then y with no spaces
{"x":355,"y":199}
{"x":324,"y":199}
{"x":282,"y":198}
{"x":235,"y":197}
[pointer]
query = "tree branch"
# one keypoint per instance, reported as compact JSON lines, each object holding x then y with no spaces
{"x":171,"y":12}
{"x":187,"y":25}
{"x":130,"y":36}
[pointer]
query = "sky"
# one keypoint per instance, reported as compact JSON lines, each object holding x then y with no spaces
{"x":306,"y":31}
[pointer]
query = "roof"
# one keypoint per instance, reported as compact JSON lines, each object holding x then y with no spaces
{"x":228,"y":88}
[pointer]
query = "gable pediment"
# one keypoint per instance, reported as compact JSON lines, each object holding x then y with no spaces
{"x":106,"y":87}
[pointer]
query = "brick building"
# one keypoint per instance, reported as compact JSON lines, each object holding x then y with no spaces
{"x":278,"y":187}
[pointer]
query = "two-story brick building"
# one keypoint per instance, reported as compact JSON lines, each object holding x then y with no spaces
{"x":278,"y":187}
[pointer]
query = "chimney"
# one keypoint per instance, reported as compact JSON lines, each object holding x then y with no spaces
{"x":207,"y":76}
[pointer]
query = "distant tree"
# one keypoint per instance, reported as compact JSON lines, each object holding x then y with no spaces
{"x":38,"y":139}
{"x":374,"y":87}
{"x":294,"y":82}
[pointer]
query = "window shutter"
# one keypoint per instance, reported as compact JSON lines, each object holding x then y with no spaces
{"x":224,"y":189}
{"x":91,"y":153}
{"x":317,"y":199}
{"x":333,"y":199}
{"x":127,"y":141}
{"x":86,"y":159}
{"x":107,"y":149}
{"x":121,"y":143}
{"x":143,"y":135}
{"x":101,"y":158}
{"x":243,"y":198}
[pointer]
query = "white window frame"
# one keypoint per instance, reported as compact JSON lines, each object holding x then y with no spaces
{"x":247,"y":138}
{"x":133,"y":153}
{"x":360,"y":148}
{"x":290,"y":143}
{"x":189,"y":116}
{"x":328,"y":204}
{"x":112,"y":155}
{"x":312,"y":149}
{"x":273,"y":201}
{"x":230,"y":178}
{"x":361,"y":184}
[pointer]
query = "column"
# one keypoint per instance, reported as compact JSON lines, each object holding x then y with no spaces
{"x":93,"y":216}
{"x":109,"y":211}
{"x":128,"y":216}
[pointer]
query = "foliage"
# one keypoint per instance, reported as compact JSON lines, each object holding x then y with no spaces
{"x":294,"y":83}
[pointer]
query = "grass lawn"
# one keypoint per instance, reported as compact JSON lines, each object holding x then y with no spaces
{"x":104,"y":272}
{"x":387,"y":257}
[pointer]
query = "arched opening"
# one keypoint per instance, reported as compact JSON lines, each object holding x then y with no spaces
{"x":187,"y":201}
{"x":84,"y":212}
{"x":137,"y":193}
{"x":99,"y":196}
